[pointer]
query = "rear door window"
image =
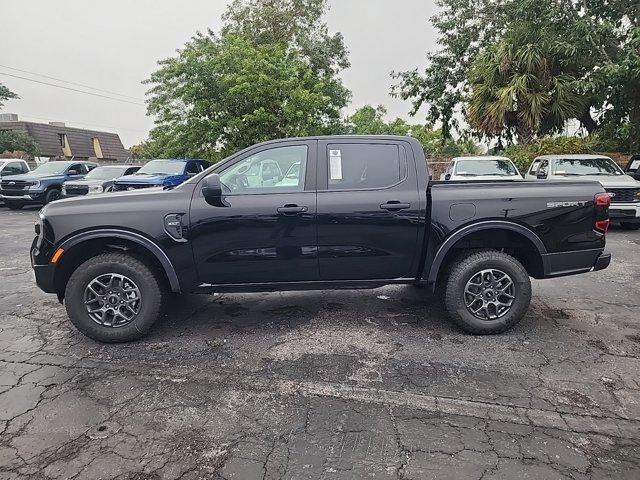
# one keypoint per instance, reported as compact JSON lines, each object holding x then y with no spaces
{"x":357,"y":166}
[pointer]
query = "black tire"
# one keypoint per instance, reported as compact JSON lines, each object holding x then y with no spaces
{"x":629,"y":226}
{"x":14,"y":205}
{"x":148,"y":282}
{"x":468,"y":268}
{"x":52,"y":195}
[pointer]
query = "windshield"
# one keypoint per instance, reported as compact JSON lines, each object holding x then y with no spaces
{"x":503,"y":168}
{"x":105,"y":173}
{"x":51,"y":168}
{"x":162,"y":167}
{"x":586,"y":166}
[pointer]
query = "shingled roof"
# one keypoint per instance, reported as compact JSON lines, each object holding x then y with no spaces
{"x":80,"y":141}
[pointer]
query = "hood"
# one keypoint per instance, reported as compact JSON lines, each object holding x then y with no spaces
{"x":147,"y":179}
{"x":31,"y":177}
{"x":607,"y":181}
{"x":88,"y":183}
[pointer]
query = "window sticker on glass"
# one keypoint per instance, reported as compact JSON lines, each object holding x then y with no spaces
{"x":635,"y":165}
{"x":335,"y":164}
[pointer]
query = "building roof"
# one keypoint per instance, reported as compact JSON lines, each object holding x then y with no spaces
{"x":47,"y":137}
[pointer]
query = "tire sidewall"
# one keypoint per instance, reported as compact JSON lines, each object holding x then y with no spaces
{"x":149,"y":304}
{"x":455,"y":301}
{"x":48,"y":197}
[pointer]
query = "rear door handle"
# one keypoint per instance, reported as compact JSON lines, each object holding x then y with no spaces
{"x":291,"y":209}
{"x":394,"y":205}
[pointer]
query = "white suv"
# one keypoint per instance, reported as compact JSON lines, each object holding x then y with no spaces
{"x":625,"y":190}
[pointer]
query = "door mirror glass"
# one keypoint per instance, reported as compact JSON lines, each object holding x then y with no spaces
{"x":541,"y":175}
{"x":447,"y":177}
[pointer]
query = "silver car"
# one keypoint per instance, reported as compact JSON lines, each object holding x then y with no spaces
{"x":624,"y":190}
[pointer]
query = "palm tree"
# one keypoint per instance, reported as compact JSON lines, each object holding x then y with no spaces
{"x":518,"y":89}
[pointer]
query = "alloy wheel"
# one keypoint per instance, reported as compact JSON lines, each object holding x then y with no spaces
{"x":112,"y":300}
{"x":489,"y":294}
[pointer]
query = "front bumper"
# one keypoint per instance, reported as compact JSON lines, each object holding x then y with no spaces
{"x":31,"y":197}
{"x":44,"y":273}
{"x":571,"y":263}
{"x":625,"y":212}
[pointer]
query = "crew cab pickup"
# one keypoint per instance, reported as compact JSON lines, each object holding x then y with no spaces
{"x":361,"y":212}
{"x":42,"y":185}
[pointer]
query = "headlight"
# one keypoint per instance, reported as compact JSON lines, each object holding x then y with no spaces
{"x":96,"y":189}
{"x":35,"y":185}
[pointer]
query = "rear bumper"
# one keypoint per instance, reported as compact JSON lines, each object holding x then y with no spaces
{"x":572,"y":263}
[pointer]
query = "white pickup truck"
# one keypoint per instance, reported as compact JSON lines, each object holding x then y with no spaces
{"x":624,"y":190}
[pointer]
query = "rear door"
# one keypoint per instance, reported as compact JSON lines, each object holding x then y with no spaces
{"x":266,"y":230}
{"x":368,"y":210}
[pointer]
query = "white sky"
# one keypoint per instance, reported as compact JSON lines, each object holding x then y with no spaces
{"x":115,"y":45}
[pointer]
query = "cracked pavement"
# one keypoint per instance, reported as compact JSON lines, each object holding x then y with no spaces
{"x":324,"y":385}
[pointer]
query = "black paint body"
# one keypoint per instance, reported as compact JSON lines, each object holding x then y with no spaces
{"x":342,"y":239}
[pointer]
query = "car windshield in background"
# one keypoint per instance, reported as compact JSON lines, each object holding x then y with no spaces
{"x":586,"y":166}
{"x":51,"y":168}
{"x":162,"y":167}
{"x":105,"y":173}
{"x":485,"y":168}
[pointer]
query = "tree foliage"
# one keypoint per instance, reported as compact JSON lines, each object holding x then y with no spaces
{"x":518,"y":89}
{"x":5,"y":94}
{"x":592,"y":45}
{"x":369,"y":120}
{"x":16,"y":141}
{"x":258,"y":80}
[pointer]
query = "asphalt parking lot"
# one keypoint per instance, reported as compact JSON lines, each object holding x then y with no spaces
{"x":324,"y":385}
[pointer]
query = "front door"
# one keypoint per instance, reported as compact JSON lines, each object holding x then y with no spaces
{"x":266,"y":229}
{"x":368,"y":210}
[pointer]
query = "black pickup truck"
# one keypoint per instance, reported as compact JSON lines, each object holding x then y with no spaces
{"x":317,"y":213}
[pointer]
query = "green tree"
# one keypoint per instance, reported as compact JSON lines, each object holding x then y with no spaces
{"x":5,"y":94}
{"x":368,"y":120}
{"x":517,"y":88}
{"x":469,"y":28}
{"x":296,"y":24}
{"x":16,"y":141}
{"x":224,"y":92}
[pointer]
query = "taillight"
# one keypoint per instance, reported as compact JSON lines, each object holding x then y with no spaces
{"x":602,"y":202}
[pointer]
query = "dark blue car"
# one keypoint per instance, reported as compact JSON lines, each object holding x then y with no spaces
{"x":161,"y":173}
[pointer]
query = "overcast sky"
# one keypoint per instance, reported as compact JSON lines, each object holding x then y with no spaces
{"x":114,"y":45}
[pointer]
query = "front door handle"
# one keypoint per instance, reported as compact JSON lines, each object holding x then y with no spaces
{"x":291,"y":209}
{"x":394,"y":205}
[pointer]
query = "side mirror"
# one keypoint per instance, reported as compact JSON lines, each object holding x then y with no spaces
{"x":73,"y":172}
{"x":447,"y":177}
{"x":212,"y":190}
{"x":541,"y":175}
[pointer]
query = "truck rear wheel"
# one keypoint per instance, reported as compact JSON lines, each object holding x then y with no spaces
{"x":487,"y":292}
{"x":114,"y":297}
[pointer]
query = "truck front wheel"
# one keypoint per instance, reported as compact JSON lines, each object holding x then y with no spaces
{"x":487,"y":292}
{"x":113,"y":297}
